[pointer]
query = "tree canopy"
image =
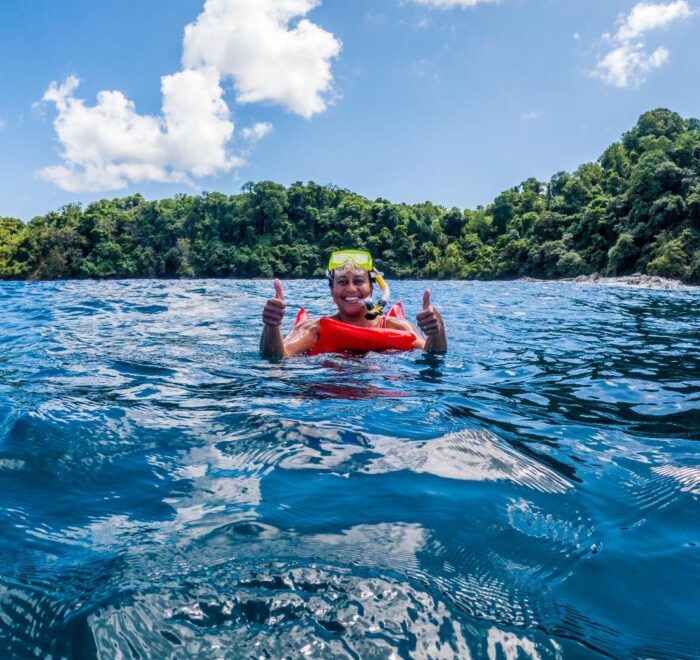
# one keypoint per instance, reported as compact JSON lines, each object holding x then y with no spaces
{"x":637,"y":209}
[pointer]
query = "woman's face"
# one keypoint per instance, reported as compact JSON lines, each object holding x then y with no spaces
{"x":350,"y":287}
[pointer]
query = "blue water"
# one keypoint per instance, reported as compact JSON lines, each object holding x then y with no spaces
{"x":166,"y":492}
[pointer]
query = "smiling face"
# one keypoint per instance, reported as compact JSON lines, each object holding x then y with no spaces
{"x":350,"y":287}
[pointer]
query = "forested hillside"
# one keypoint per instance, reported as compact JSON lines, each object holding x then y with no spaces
{"x":637,"y":209}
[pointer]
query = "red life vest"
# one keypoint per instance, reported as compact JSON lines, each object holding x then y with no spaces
{"x":336,"y":336}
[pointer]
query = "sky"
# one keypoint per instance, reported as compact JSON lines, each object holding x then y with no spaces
{"x":448,"y":101}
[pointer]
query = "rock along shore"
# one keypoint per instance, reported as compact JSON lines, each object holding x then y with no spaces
{"x":637,"y":279}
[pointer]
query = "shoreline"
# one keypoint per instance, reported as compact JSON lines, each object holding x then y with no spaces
{"x":636,"y":280}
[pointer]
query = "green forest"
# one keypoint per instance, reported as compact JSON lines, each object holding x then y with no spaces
{"x":636,"y":209}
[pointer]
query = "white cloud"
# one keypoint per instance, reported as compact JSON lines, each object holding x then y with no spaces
{"x":257,"y":44}
{"x":109,"y":145}
{"x":628,"y":65}
{"x":451,"y":4}
{"x":257,"y":131}
{"x":628,"y":62}
{"x":530,"y":116}
{"x":269,"y":57}
{"x":645,"y":17}
{"x":3,"y":123}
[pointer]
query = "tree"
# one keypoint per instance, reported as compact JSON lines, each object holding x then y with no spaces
{"x":11,"y":234}
{"x":671,"y":260}
{"x":655,"y":123}
{"x":636,"y":207}
{"x":622,"y":255}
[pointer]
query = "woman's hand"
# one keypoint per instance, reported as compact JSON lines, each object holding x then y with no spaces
{"x":273,"y":312}
{"x":271,"y":342}
{"x":430,"y":322}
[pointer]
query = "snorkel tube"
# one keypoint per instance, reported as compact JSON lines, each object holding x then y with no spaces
{"x":375,"y":309}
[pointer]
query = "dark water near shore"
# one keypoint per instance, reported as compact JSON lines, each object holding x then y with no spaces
{"x":165,"y":492}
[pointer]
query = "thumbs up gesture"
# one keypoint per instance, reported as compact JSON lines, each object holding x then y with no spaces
{"x":273,"y":312}
{"x":429,"y":320}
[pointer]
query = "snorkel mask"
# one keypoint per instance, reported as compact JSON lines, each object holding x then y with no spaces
{"x":361,"y":259}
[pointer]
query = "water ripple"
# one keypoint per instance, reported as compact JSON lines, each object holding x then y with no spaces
{"x":165,"y":492}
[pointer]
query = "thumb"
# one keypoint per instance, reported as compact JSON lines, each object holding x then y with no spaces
{"x":426,"y":299}
{"x":279,"y":294}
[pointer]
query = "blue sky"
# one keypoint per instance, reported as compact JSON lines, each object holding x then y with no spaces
{"x":450,"y":101}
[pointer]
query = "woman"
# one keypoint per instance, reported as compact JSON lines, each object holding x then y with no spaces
{"x":350,"y":277}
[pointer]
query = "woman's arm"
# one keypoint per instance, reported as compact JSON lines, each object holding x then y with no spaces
{"x":430,"y":322}
{"x":271,"y":342}
{"x":394,"y":323}
{"x":301,"y":338}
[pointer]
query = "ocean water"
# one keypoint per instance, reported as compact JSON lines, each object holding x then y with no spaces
{"x":166,"y":492}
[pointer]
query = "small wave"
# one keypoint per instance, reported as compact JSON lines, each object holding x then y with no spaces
{"x":288,"y":611}
{"x":141,"y":368}
{"x":150,"y":309}
{"x":688,"y":477}
{"x":476,"y":456}
{"x":664,"y":489}
{"x":568,"y":537}
{"x":510,"y":645}
{"x":468,"y":455}
{"x":315,"y":612}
